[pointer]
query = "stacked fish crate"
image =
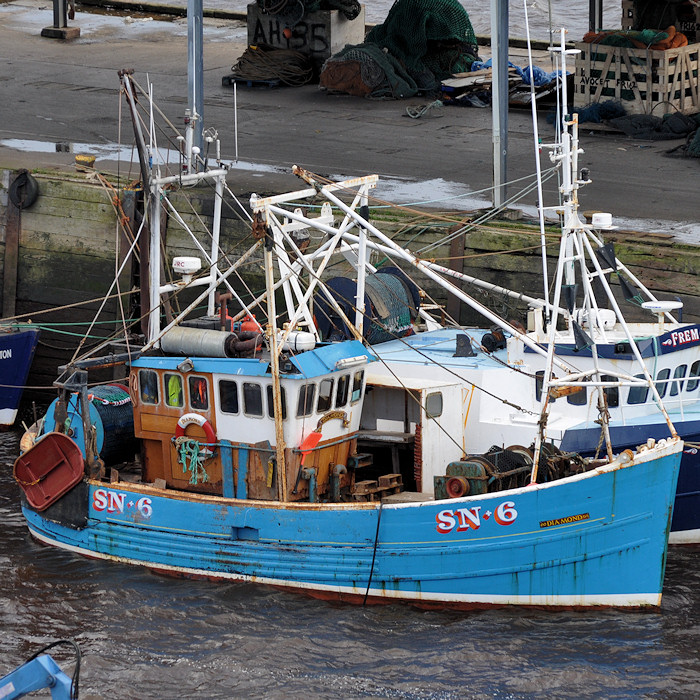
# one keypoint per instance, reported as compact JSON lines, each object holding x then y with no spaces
{"x":644,"y":81}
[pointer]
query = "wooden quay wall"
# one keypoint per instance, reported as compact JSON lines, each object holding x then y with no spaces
{"x":57,"y":260}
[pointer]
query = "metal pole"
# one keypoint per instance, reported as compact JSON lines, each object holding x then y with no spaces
{"x":595,"y":15}
{"x":195,"y":73}
{"x":60,"y":14}
{"x":499,"y":99}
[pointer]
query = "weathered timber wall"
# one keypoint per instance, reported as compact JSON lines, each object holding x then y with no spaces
{"x":66,"y":262}
{"x":509,"y":256}
{"x":68,"y":237}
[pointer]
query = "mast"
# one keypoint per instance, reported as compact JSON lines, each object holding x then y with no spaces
{"x":194,"y":139}
{"x":575,"y":254}
{"x":499,"y":100}
{"x":262,"y":231}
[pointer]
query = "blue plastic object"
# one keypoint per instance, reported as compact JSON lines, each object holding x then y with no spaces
{"x":540,"y":76}
{"x":41,"y":672}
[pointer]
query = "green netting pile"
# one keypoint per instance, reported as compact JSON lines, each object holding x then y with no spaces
{"x":420,"y":43}
{"x":693,"y":147}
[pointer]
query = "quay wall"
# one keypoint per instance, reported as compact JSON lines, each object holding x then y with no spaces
{"x":508,"y":254}
{"x":57,"y":260}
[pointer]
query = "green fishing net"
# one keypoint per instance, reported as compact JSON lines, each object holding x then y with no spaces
{"x":420,"y":43}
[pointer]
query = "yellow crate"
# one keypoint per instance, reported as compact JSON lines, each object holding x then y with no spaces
{"x":644,"y":81}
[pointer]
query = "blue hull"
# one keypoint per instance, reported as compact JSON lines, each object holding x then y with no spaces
{"x":593,"y":539}
{"x":16,"y":355}
{"x":685,"y":526}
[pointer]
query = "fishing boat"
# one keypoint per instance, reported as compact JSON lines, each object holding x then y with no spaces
{"x":592,"y":335}
{"x":17,"y":346}
{"x":269,"y":451}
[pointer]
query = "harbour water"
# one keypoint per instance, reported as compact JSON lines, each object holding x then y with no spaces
{"x":143,"y":636}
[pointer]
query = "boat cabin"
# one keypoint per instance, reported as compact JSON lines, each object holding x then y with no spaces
{"x":207,"y":425}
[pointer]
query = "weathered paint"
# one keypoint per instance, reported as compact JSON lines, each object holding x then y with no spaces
{"x":616,"y":556}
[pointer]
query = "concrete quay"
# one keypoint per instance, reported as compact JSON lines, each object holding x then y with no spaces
{"x":67,"y":92}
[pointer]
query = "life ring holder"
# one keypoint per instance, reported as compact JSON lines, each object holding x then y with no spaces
{"x":196,"y":419}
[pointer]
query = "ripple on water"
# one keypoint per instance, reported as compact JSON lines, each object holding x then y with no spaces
{"x":145,"y":636}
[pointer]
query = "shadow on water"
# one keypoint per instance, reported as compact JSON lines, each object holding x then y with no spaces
{"x":144,"y":636}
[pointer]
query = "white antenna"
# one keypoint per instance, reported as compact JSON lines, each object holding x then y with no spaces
{"x":538,"y":166}
{"x":235,"y":119}
{"x":152,"y":138}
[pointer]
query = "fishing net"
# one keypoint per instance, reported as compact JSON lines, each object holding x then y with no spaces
{"x":651,"y":128}
{"x":655,"y":39}
{"x":420,"y":43}
{"x":693,"y":147}
{"x":598,"y":112}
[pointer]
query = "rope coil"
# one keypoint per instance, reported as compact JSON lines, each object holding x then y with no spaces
{"x":264,"y":63}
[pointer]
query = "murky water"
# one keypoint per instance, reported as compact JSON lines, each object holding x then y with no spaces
{"x":143,"y":636}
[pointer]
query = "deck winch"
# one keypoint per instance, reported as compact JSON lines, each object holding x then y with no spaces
{"x":503,"y":468}
{"x":497,"y":470}
{"x":111,"y":413}
{"x":203,"y":342}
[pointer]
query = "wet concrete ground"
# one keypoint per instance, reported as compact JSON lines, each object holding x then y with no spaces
{"x":68,"y":92}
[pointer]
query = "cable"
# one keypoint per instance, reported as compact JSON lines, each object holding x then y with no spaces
{"x":374,"y":552}
{"x":76,"y":671}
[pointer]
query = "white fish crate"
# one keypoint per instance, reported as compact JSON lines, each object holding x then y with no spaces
{"x":642,"y":80}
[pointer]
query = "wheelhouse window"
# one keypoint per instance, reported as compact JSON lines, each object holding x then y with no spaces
{"x":252,"y":399}
{"x":693,"y":377}
{"x":341,"y":396}
{"x":228,"y":396}
{"x":199,"y":395}
{"x":357,"y":380}
{"x":638,"y":394}
{"x":325,"y":394}
{"x":539,"y":383}
{"x":679,"y":374}
{"x":271,"y":402}
{"x":148,"y":386}
{"x":305,"y":407}
{"x":174,"y":391}
{"x":661,"y":383}
{"x":578,"y":398}
{"x":612,"y":393}
{"x":433,"y":404}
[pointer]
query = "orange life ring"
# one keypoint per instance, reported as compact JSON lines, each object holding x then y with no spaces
{"x":201,"y":421}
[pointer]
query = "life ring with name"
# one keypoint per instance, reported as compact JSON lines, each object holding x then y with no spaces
{"x":202,"y":422}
